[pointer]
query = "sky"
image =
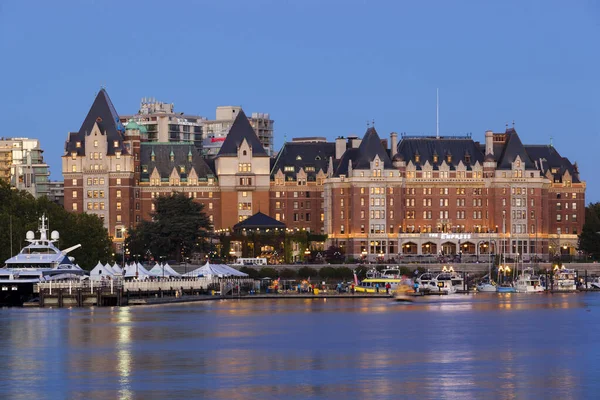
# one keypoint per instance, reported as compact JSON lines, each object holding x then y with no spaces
{"x":319,"y":67}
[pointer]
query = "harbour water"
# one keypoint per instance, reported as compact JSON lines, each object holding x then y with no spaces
{"x":456,"y":347}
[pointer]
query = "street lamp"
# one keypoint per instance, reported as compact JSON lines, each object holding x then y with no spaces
{"x":123,"y":246}
{"x":306,"y":254}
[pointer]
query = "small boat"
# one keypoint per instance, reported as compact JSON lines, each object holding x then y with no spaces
{"x":377,"y":285}
{"x":592,"y":283}
{"x":404,"y":292}
{"x":505,"y":288}
{"x":528,"y":282}
{"x":486,"y":285}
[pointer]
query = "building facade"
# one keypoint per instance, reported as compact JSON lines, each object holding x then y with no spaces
{"x":215,"y":131}
{"x":158,"y":122}
{"x":22,"y":164}
{"x":376,"y":200}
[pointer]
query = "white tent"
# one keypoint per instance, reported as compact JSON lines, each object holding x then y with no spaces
{"x":219,"y":270}
{"x":108,"y":267}
{"x":99,"y":272}
{"x":116,"y":269}
{"x":164,"y":270}
{"x":133,"y":270}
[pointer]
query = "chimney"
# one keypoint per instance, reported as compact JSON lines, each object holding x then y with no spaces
{"x":489,"y":143}
{"x":393,"y":144}
{"x":340,"y":147}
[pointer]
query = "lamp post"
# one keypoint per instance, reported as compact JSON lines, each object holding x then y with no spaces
{"x":123,"y":246}
{"x":306,"y":255}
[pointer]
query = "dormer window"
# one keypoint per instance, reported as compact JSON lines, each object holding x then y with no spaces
{"x":182,"y":169}
{"x":449,"y":158}
{"x":376,"y":163}
{"x":116,"y":143}
{"x":118,"y":154}
{"x":518,"y":163}
{"x":244,"y":152}
{"x":298,"y":157}
{"x":317,"y":158}
{"x":73,"y":155}
{"x":172,"y":157}
{"x":468,"y":159}
{"x":95,"y":143}
{"x":189,"y":157}
{"x":417,"y":158}
{"x":144,"y":168}
{"x":78,"y":145}
{"x":435,"y":158}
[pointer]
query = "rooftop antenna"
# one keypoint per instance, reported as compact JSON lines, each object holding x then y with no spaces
{"x":437,"y":113}
{"x":551,"y":145}
{"x":373,"y":123}
{"x":367,"y":123}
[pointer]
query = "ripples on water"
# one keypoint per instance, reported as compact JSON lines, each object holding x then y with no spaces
{"x":484,"y":346}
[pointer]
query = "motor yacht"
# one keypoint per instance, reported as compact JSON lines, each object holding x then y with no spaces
{"x":528,"y":282}
{"x":39,"y":261}
{"x":564,"y":279}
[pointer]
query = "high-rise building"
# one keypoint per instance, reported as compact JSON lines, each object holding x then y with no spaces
{"x":57,"y":192}
{"x":22,"y":164}
{"x":215,"y":131}
{"x":158,"y":122}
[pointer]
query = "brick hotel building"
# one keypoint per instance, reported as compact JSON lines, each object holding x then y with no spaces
{"x":422,"y":195}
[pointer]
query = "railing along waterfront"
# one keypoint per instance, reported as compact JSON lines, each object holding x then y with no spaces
{"x":131,"y":286}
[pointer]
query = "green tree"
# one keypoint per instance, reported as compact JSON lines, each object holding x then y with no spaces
{"x":287,"y":273}
{"x":179,"y":227}
{"x":307,"y":272}
{"x":268,"y":272}
{"x":20,"y":212}
{"x":589,"y":239}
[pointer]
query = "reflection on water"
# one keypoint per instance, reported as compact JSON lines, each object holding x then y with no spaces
{"x":506,"y":347}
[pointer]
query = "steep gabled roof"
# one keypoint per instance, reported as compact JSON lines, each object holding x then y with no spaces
{"x":371,"y":146}
{"x":361,"y":157}
{"x":260,"y":221}
{"x":181,"y":158}
{"x":240,"y":130}
{"x":546,"y":158}
{"x":104,"y":114}
{"x":303,"y":155}
{"x":459,"y":148}
{"x":512,"y":148}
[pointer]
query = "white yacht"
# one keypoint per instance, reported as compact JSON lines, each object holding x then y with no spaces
{"x":564,"y":280}
{"x":528,"y":282}
{"x":39,"y":261}
{"x":425,"y":281}
{"x":593,"y":282}
{"x":443,"y":282}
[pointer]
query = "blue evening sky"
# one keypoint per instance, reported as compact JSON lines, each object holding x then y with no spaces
{"x":320,"y":68}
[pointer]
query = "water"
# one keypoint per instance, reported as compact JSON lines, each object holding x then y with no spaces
{"x":483,"y":346}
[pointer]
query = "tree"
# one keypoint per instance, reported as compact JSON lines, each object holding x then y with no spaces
{"x":20,"y":212}
{"x":307,"y":272}
{"x":589,"y":239}
{"x":179,"y":227}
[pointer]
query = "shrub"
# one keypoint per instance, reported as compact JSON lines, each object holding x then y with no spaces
{"x":306,"y":272}
{"x":327,"y":273}
{"x":287,"y":273}
{"x":252,"y":273}
{"x":268,"y":272}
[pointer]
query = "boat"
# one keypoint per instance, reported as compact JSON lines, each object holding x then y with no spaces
{"x":39,"y":261}
{"x":564,"y":279}
{"x":593,"y":282}
{"x":404,"y":291}
{"x":378,"y":284}
{"x":486,"y":285}
{"x":443,"y":282}
{"x":528,"y":282}
{"x":505,"y":288}
{"x":424,"y":280}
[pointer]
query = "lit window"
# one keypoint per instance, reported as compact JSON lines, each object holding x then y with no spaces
{"x":118,"y":217}
{"x":118,"y":181}
{"x":74,"y":182}
{"x":74,"y":194}
{"x":95,"y":143}
{"x":118,"y":194}
{"x":74,"y":206}
{"x":78,"y":145}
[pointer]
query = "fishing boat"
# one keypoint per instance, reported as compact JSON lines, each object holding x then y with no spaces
{"x":39,"y":261}
{"x":528,"y":282}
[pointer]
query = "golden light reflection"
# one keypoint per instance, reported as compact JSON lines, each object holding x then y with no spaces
{"x":124,"y":352}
